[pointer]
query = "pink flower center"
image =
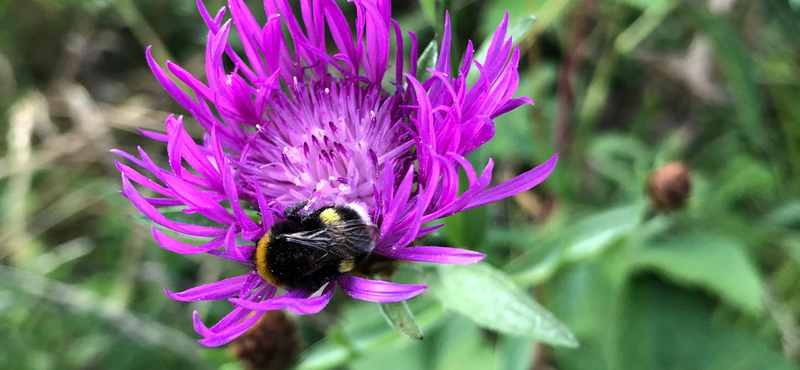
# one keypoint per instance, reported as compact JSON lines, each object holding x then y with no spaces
{"x":327,"y":141}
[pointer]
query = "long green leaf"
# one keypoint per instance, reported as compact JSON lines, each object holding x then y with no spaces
{"x":489,"y":298}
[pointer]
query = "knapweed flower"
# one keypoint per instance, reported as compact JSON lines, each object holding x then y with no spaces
{"x":293,"y":121}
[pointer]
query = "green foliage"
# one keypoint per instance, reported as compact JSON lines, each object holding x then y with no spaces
{"x":399,"y":316}
{"x":514,"y":353}
{"x":427,"y":59}
{"x":708,"y":261}
{"x":663,"y":327}
{"x":493,"y":301}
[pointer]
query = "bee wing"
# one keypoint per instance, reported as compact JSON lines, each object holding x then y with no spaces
{"x":320,"y":240}
{"x":356,"y":238}
{"x":339,"y":240}
{"x":334,"y":244}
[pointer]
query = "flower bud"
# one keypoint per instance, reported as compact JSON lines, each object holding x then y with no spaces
{"x":669,"y":186}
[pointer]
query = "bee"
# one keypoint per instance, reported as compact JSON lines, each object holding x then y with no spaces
{"x":307,"y":251}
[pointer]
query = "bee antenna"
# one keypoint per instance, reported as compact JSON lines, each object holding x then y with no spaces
{"x":293,"y":211}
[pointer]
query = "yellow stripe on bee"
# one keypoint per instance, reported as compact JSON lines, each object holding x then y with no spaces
{"x":329,"y":217}
{"x":262,"y":248}
{"x":346,"y":265}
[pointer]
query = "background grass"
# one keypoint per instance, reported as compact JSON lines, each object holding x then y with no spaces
{"x":621,"y":87}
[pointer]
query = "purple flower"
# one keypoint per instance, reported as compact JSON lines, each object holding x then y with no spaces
{"x":293,"y":122}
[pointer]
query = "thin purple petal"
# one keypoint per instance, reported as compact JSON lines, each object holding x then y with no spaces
{"x":173,"y":245}
{"x":297,"y":301}
{"x":516,"y":185}
{"x":445,"y":255}
{"x":378,"y":291}
{"x":217,"y":290}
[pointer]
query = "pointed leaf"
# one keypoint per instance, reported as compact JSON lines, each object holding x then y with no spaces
{"x":399,"y":316}
{"x":488,"y":297}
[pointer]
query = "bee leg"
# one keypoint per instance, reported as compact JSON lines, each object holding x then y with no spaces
{"x":293,"y":212}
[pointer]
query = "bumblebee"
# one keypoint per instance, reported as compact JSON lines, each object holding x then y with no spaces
{"x":307,"y":251}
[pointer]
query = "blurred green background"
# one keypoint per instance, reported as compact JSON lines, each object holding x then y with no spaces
{"x":621,"y":87}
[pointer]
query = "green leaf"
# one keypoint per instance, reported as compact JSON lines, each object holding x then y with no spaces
{"x":742,"y":178}
{"x":429,"y":10}
{"x":426,"y":60}
{"x":494,"y":11}
{"x":361,"y":331}
{"x":662,"y":327}
{"x":489,"y":298}
{"x":408,"y":356}
{"x":785,"y":216}
{"x":583,"y":240}
{"x":643,"y":4}
{"x":461,"y":345}
{"x":514,"y":353}
{"x":784,"y":97}
{"x":324,"y":355}
{"x":434,"y":11}
{"x":713,"y":262}
{"x":592,"y":235}
{"x":654,"y":15}
{"x":585,"y":296}
{"x":621,"y":158}
{"x":399,"y":316}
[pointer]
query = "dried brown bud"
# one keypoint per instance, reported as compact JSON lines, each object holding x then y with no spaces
{"x":669,"y":186}
{"x":273,"y":343}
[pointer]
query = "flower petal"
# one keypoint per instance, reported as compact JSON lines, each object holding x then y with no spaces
{"x":516,"y":185}
{"x":246,"y":252}
{"x":153,"y":135}
{"x":231,"y":333}
{"x":148,"y":210}
{"x":297,"y":301}
{"x":446,"y":255}
{"x":173,"y":245}
{"x":222,"y":289}
{"x":510,"y":105}
{"x":378,"y":291}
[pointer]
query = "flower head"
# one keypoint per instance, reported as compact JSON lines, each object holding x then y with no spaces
{"x":292,"y":122}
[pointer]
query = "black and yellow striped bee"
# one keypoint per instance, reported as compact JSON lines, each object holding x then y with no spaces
{"x":306,"y":251}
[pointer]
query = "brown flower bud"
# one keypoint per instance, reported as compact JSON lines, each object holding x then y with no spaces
{"x":669,"y":186}
{"x":273,"y":343}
